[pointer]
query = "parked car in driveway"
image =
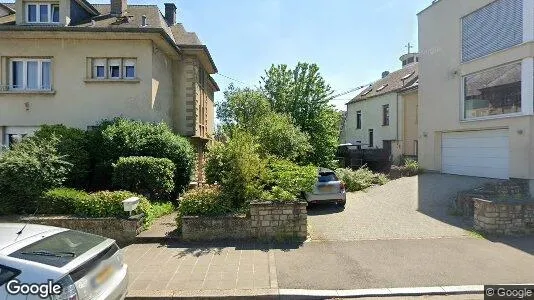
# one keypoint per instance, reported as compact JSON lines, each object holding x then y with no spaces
{"x":328,"y":188}
{"x":86,"y":266}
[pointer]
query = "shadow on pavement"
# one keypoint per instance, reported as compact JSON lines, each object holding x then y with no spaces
{"x":324,"y":209}
{"x":525,"y":244}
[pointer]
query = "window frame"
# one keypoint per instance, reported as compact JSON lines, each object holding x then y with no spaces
{"x":16,"y":272}
{"x":129,"y":62}
{"x":38,"y":12}
{"x":25,"y":73}
{"x":359,"y":119}
{"x":463,"y":117}
{"x":385,"y":115}
{"x":371,"y":136}
{"x":108,"y":62}
{"x":112,"y":63}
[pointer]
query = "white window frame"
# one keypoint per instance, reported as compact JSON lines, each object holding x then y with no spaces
{"x":38,"y":13}
{"x":114,"y":62}
{"x":99,"y":62}
{"x":25,"y":74}
{"x":129,"y":62}
{"x":527,"y":89}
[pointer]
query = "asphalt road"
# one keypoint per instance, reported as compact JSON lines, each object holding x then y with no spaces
{"x":405,"y":263}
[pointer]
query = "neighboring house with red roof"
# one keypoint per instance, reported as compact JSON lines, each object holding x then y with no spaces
{"x":75,"y":63}
{"x":384,"y":115}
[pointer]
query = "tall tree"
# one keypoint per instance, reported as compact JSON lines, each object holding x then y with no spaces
{"x":303,"y":94}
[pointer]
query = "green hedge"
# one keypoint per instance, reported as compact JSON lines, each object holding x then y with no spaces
{"x":26,"y":171}
{"x":285,"y":181}
{"x":123,"y":138}
{"x":72,"y":146}
{"x":149,"y":176}
{"x":360,"y":179}
{"x":203,"y":201}
{"x":61,"y":201}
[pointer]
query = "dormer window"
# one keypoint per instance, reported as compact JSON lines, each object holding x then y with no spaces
{"x":42,"y":13}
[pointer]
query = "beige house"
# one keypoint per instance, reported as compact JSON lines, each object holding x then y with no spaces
{"x":74,"y":63}
{"x":384,"y":115}
{"x":476,"y":83}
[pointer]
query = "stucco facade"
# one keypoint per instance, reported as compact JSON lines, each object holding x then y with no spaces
{"x":171,"y":85}
{"x":441,"y":80}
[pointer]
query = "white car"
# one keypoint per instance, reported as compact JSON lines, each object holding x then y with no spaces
{"x":36,"y":260}
{"x":327,"y":189}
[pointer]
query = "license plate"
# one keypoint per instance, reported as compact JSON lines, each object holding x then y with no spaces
{"x":326,"y":189}
{"x":103,"y":276}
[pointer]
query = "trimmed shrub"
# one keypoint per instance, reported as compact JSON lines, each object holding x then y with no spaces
{"x":285,"y":181}
{"x":26,"y":171}
{"x":72,"y":146}
{"x":360,"y":179}
{"x":203,"y":201}
{"x":125,"y":138}
{"x":61,"y":201}
{"x":106,"y":204}
{"x":148,"y":176}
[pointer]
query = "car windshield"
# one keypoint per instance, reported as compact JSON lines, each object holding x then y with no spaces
{"x":59,"y":249}
{"x":327,"y":177}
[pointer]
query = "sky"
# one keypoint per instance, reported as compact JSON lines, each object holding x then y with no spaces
{"x":352,"y":41}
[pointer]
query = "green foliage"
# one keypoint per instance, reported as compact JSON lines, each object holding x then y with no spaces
{"x":152,"y":211}
{"x":277,"y":136}
{"x":123,"y":138}
{"x":360,"y":179}
{"x":72,"y":146}
{"x":26,"y":171}
{"x":285,"y":181}
{"x":61,"y":201}
{"x":303,"y":94}
{"x":203,"y":201}
{"x":148,"y":176}
{"x":105,"y":204}
{"x":412,"y":167}
{"x":245,"y":107}
{"x":237,"y":167}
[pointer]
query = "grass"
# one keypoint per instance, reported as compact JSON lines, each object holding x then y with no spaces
{"x":476,"y":234}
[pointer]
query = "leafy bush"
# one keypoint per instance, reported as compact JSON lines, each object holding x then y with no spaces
{"x":286,"y":180}
{"x":105,"y":204}
{"x":26,"y":171}
{"x":123,"y":138}
{"x":238,"y":168}
{"x":72,"y":146}
{"x":360,"y":179}
{"x":277,"y":136}
{"x":203,"y":201}
{"x":152,"y":211}
{"x":61,"y":201}
{"x":412,"y":167}
{"x":149,"y":176}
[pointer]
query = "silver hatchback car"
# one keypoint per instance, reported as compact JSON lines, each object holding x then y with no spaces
{"x":327,"y":189}
{"x":83,"y":265}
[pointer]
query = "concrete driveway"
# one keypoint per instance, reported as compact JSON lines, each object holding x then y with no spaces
{"x":406,"y":208}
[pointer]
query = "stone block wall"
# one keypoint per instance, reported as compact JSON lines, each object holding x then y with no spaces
{"x":503,"y":218}
{"x":266,"y":221}
{"x":278,"y":220}
{"x":123,"y":231}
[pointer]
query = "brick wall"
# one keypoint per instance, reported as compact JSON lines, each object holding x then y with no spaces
{"x":266,"y":221}
{"x":504,"y":218}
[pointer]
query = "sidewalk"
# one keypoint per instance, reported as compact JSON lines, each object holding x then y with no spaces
{"x":178,"y":269}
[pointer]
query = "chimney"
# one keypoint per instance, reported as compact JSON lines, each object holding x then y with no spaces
{"x":385,"y":73}
{"x":118,"y":7}
{"x":170,"y":13}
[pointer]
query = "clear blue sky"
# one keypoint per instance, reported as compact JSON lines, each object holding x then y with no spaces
{"x":352,"y":41}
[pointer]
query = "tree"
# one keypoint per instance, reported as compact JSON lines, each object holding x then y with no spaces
{"x":303,"y":94}
{"x":243,"y":107}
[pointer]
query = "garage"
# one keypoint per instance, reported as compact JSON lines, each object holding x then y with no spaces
{"x":483,"y":153}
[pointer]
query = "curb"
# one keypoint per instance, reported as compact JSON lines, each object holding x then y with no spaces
{"x":306,"y":294}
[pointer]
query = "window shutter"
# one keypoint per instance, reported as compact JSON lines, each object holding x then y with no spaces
{"x":495,"y":27}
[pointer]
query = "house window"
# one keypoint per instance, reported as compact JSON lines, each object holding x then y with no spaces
{"x":359,"y":119}
{"x":371,"y":137}
{"x":113,"y":68}
{"x":415,"y":147}
{"x":30,"y":74}
{"x":385,"y":115}
{"x":493,"y":92}
{"x":492,"y":28}
{"x":42,"y":13}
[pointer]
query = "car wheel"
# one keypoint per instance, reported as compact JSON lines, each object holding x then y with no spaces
{"x":342,"y":203}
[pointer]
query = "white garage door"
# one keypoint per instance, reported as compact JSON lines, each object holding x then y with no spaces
{"x":476,"y":153}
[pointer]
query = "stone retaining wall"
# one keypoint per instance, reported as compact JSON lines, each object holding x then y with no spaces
{"x":266,"y":221}
{"x":503,"y":218}
{"x":123,"y":231}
